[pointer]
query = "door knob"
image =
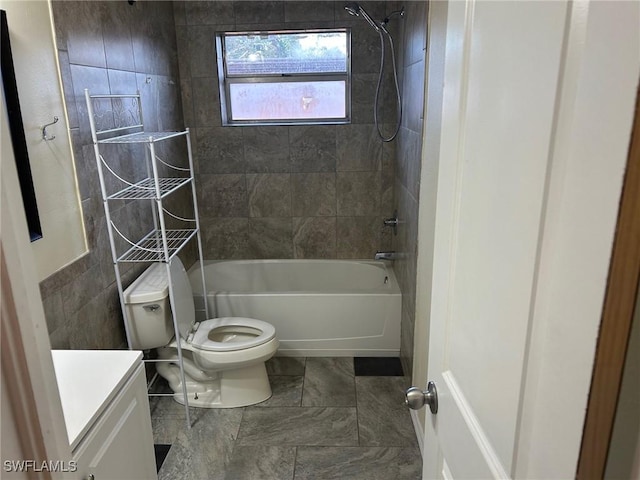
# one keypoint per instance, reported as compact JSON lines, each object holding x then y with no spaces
{"x":415,"y":398}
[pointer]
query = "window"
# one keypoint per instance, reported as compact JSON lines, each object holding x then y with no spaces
{"x":284,"y":77}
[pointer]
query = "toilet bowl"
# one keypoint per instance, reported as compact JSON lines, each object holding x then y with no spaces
{"x":223,"y":358}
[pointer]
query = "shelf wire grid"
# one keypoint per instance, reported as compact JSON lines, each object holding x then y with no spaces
{"x":142,"y":137}
{"x":151,"y":247}
{"x":118,"y":115}
{"x":146,"y":189}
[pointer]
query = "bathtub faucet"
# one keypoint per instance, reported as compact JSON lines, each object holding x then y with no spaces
{"x":385,"y":256}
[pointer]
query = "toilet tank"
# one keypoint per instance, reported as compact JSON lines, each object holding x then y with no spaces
{"x":147,"y":304}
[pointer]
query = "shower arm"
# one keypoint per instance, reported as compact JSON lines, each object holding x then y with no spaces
{"x":393,"y":14}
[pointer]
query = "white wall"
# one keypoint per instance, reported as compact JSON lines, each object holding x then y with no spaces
{"x":52,"y":163}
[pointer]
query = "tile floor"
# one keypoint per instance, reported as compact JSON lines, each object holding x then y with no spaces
{"x":323,"y":422}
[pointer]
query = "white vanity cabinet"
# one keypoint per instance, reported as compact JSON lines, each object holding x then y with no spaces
{"x":106,"y":409}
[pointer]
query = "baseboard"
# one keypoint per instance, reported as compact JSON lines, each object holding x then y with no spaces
{"x":418,"y":429}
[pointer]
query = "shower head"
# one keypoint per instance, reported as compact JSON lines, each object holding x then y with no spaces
{"x":353,"y":9}
{"x":357,"y":11}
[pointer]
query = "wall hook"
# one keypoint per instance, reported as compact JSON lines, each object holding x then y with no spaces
{"x":44,"y":130}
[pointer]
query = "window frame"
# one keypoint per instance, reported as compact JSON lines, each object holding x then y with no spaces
{"x":225,"y":80}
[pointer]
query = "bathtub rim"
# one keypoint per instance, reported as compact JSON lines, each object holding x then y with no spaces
{"x":393,"y":287}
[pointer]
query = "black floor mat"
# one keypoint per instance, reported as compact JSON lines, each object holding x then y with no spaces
{"x":377,"y":367}
{"x":161,"y":453}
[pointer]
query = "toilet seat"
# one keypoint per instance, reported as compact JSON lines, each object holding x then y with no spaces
{"x":251,"y":333}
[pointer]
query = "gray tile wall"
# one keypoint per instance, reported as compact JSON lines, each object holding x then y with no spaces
{"x":108,"y":47}
{"x":277,"y":191}
{"x":407,"y":172}
{"x":301,"y":192}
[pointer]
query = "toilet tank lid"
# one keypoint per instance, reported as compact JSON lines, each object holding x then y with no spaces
{"x":151,"y":286}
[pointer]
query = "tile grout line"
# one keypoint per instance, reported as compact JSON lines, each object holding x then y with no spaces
{"x":304,"y":378}
{"x":295,"y":462}
{"x":304,"y":375}
{"x":356,"y":395}
{"x":234,"y":443}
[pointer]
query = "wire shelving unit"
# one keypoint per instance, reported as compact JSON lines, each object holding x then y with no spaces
{"x":117,"y":121}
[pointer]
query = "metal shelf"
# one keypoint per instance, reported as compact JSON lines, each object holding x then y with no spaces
{"x":141,"y":137}
{"x":151,"y":247}
{"x":146,"y":189}
{"x":112,"y":119}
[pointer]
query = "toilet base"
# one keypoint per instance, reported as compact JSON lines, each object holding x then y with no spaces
{"x":238,"y":387}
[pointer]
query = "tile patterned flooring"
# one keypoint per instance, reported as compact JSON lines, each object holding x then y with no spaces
{"x":321,"y":423}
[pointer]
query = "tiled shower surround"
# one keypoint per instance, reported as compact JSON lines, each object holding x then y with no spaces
{"x":318,"y":191}
{"x":408,"y":166}
{"x":264,"y":192}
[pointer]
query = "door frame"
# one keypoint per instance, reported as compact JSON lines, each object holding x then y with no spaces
{"x":617,"y":316}
{"x":32,"y":419}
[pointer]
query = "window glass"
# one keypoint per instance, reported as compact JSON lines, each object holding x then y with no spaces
{"x":284,"y":77}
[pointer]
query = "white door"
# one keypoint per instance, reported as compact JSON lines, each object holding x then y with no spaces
{"x":502,"y":66}
{"x":537,"y":108}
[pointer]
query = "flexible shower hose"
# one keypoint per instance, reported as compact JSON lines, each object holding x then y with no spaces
{"x":395,"y":80}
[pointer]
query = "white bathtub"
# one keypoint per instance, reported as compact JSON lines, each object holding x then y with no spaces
{"x":318,"y":307}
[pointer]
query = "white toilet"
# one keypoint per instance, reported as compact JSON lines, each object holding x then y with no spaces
{"x":223,"y":358}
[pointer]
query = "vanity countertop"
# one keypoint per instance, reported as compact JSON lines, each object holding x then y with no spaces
{"x":88,"y":380}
